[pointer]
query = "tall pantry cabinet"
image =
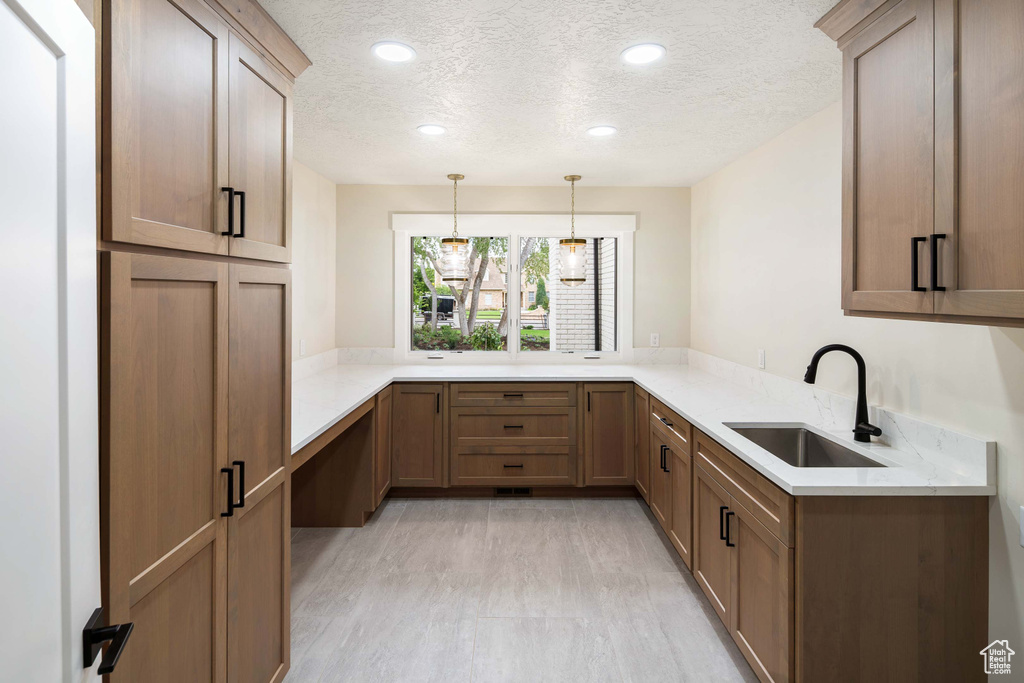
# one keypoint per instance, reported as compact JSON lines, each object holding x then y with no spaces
{"x":195,"y":307}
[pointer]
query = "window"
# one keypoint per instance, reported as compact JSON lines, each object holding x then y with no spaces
{"x":568,"y":318}
{"x":459,"y":316}
{"x":513,"y":304}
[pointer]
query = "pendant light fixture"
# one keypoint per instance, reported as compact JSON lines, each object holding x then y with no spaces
{"x":573,"y":252}
{"x":455,"y":249}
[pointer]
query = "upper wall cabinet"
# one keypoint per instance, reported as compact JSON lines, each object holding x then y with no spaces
{"x":933,"y":158}
{"x":196,"y":133}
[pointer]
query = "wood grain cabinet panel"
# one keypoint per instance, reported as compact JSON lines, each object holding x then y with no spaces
{"x":888,"y":141}
{"x":712,"y":558}
{"x":260,"y":442}
{"x":680,"y":529}
{"x":762,"y":597}
{"x":661,"y":478}
{"x":382,"y":447}
{"x":417,"y":435}
{"x":513,"y":394}
{"x":642,"y":443}
{"x":165,"y":125}
{"x":261,"y":154}
{"x":164,"y":443}
{"x":608,"y":439}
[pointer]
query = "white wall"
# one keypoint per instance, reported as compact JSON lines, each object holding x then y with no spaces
{"x":314,"y":239}
{"x":766,"y":274}
{"x":365,"y":249}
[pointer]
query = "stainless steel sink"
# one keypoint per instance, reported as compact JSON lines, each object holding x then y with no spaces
{"x":801,"y":447}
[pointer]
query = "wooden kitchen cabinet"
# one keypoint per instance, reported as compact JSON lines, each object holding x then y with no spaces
{"x":712,"y":557}
{"x":382,"y":447}
{"x":933,"y":96}
{"x":417,"y":434}
{"x":197,"y":131}
{"x":642,"y":443}
{"x":661,"y":480}
{"x":261,"y":156}
{"x":259,"y":448}
{"x":608,"y":436}
{"x":681,"y":485}
{"x":194,"y":464}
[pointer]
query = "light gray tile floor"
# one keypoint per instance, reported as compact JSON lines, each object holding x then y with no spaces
{"x":502,"y":590}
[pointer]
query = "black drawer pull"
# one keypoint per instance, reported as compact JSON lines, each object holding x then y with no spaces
{"x":230,"y":471}
{"x":513,"y":426}
{"x":512,"y":395}
{"x":509,"y":467}
{"x":914,"y":287}
{"x":231,"y":211}
{"x":241,"y":483}
{"x":935,"y":261}
{"x":729,"y":543}
{"x":721,"y":522}
{"x":665,"y":422}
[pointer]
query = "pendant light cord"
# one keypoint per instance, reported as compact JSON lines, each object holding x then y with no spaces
{"x":572,"y":211}
{"x":455,"y":210}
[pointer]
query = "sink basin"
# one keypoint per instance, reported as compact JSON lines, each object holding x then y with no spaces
{"x":801,"y":447}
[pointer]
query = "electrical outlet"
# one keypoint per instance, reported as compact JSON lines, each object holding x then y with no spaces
{"x":655,"y":340}
{"x":760,"y":358}
{"x":302,"y":347}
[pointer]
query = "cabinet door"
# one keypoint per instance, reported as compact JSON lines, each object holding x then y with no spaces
{"x":661,"y":481}
{"x":712,"y":558}
{"x":382,"y":449}
{"x":980,"y":106}
{"x":888,"y":118}
{"x":680,"y":486}
{"x":417,"y":438}
{"x":166,"y":126}
{"x":762,"y":597}
{"x":642,"y":442}
{"x":165,"y":364}
{"x":608,"y":436}
{"x":261,"y":153}
{"x":259,"y":445}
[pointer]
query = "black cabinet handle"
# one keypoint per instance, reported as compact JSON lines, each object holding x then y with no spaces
{"x":914,"y":287}
{"x":513,"y":426}
{"x":935,"y":261}
{"x":664,"y":463}
{"x":241,"y":213}
{"x":93,"y":637}
{"x":721,"y":522}
{"x":513,"y":395}
{"x":508,"y":467}
{"x":665,"y":422}
{"x":588,"y":401}
{"x":231,"y":211}
{"x":230,"y":471}
{"x":729,"y":543}
{"x":241,"y":483}
{"x":438,"y":396}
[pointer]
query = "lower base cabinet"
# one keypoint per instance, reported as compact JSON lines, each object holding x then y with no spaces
{"x":417,"y":434}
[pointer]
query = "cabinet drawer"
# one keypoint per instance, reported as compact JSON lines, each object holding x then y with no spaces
{"x":769,"y":504}
{"x":522,"y":426}
{"x":515,"y":466}
{"x":521,"y":394}
{"x":675,"y":428}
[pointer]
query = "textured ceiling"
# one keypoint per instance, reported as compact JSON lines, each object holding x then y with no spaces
{"x":518,"y":82}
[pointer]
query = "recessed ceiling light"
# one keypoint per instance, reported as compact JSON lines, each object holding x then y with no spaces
{"x":601,"y":131}
{"x":645,"y":53}
{"x":432,"y":129}
{"x":391,"y":51}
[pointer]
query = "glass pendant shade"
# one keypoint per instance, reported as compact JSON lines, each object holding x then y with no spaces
{"x":573,"y":258}
{"x":454,"y":259}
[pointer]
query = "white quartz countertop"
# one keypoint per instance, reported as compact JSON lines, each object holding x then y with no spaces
{"x":706,"y":400}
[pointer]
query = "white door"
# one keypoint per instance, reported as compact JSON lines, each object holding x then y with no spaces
{"x":49,"y":482}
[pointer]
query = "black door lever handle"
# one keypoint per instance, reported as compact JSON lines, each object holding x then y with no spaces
{"x":93,"y":637}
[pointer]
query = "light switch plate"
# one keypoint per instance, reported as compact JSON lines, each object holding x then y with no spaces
{"x":655,"y":340}
{"x":760,"y":359}
{"x":302,"y":347}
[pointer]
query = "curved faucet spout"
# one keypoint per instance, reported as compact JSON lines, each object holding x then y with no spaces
{"x":862,"y":429}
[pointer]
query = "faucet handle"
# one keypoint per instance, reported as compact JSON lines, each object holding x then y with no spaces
{"x":866,"y":428}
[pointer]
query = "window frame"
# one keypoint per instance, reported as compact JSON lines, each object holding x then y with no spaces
{"x":407,"y":225}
